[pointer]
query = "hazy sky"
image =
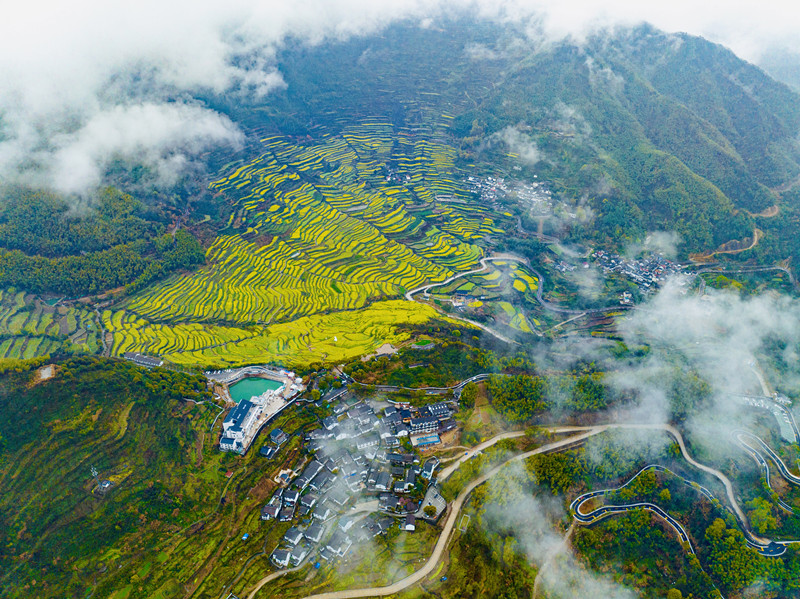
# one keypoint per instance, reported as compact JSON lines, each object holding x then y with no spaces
{"x":70,"y":72}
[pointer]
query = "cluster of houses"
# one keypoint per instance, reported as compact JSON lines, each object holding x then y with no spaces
{"x":360,"y":423}
{"x":355,"y":453}
{"x":647,"y":272}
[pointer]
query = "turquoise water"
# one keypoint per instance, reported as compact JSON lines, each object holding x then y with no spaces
{"x":250,"y":387}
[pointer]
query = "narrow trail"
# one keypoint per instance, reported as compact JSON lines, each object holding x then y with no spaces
{"x":103,"y":332}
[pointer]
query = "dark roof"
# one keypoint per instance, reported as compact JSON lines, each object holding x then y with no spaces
{"x":314,"y":532}
{"x":270,"y":511}
{"x":268,"y":451}
{"x":239,"y":413}
{"x":293,"y":536}
{"x":277,"y":436}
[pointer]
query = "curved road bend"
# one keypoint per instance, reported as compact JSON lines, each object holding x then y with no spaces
{"x":446,"y":472}
{"x":455,"y":508}
{"x":444,"y":537}
{"x":675,"y":433}
{"x":539,"y":289}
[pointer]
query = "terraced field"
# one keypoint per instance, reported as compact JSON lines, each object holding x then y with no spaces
{"x":334,"y":337}
{"x":30,"y":328}
{"x":354,"y":218}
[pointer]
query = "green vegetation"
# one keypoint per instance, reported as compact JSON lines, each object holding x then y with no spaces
{"x":314,"y":229}
{"x":177,"y":506}
{"x":30,"y":328}
{"x":43,"y":248}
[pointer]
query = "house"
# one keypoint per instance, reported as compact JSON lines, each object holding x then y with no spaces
{"x":401,"y":459}
{"x":230,"y":444}
{"x":322,"y":513}
{"x":286,"y":514}
{"x":267,"y":451}
{"x":429,"y":468}
{"x":339,"y":495}
{"x":427,"y":424}
{"x":293,"y":536}
{"x":410,"y":480}
{"x":280,"y":557}
{"x":299,"y":553}
{"x":346,"y":523}
{"x":278,"y":437}
{"x":320,"y":481}
{"x":384,"y":431}
{"x":391,"y":442}
{"x":309,"y":472}
{"x":369,"y":440}
{"x":409,"y":523}
{"x":388,"y":502}
{"x":290,"y":497}
{"x":339,"y":544}
{"x":382,"y":482}
{"x":440,"y":410}
{"x":143,"y":360}
{"x":309,"y":500}
{"x":314,"y":532}
{"x":330,"y":423}
{"x":385,"y":523}
{"x":277,"y":497}
{"x":270,"y":512}
{"x":372,"y":477}
{"x":237,"y":426}
{"x":326,"y":554}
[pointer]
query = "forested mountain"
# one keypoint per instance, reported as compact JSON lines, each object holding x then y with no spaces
{"x":653,"y":131}
{"x":659,"y":131}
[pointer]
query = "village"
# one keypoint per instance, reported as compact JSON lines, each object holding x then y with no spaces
{"x":362,"y":475}
{"x":648,"y":273}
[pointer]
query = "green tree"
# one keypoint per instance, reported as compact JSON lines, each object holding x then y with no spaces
{"x":468,"y":395}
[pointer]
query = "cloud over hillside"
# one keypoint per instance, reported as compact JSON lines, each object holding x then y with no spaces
{"x":76,"y":76}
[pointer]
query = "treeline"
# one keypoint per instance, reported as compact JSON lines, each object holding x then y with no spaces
{"x":519,"y":398}
{"x":451,"y":361}
{"x":48,"y":245}
{"x":132,"y":264}
{"x":42,"y":223}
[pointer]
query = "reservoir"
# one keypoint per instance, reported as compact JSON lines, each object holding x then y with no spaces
{"x":250,"y":387}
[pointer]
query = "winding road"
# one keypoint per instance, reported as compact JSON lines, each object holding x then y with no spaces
{"x":539,"y":292}
{"x":577,"y":434}
{"x":449,"y":524}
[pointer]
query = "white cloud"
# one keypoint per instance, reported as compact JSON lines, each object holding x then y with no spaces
{"x":66,"y":66}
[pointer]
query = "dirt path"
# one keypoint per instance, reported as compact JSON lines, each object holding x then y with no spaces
{"x":770,"y":212}
{"x":701,"y":257}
